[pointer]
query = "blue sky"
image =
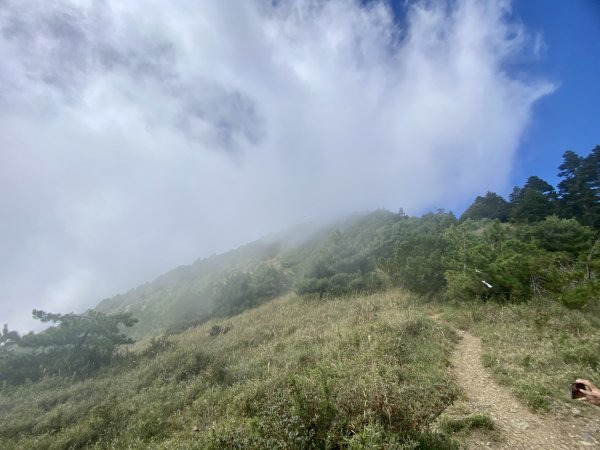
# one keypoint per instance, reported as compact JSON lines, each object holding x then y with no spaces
{"x":136,"y":139}
{"x":568,"y":57}
{"x":569,"y":118}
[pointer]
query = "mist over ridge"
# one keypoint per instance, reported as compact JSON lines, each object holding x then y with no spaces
{"x":135,"y":139}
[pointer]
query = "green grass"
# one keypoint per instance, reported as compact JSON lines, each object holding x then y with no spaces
{"x":537,"y":348}
{"x":354,"y":372}
{"x":470,"y":422}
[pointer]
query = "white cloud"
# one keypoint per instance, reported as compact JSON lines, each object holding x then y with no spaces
{"x":136,"y":137}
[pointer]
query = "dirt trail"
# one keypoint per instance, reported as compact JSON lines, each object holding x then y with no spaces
{"x":517,"y":427}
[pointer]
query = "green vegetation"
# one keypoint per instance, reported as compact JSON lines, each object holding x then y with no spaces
{"x":576,"y":196}
{"x":491,"y":206}
{"x":320,"y":337}
{"x":431,"y":255}
{"x":470,"y":422}
{"x":359,"y":372}
{"x":580,"y":187}
{"x":220,"y":285}
{"x":490,"y":260}
{"x":537,"y":348}
{"x":417,"y":260}
{"x":78,"y":346}
{"x":346,"y":262}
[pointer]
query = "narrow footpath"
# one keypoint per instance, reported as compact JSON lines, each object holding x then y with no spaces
{"x":516,"y":426}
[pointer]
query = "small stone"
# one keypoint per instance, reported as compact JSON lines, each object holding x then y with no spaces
{"x":195,"y":429}
{"x":576,"y":412}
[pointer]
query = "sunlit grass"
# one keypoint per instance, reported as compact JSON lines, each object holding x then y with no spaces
{"x":470,"y":422}
{"x":537,"y":348}
{"x":357,"y":372}
{"x":351,"y":372}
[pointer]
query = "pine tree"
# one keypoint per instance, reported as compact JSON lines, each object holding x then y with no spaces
{"x":579,"y":191}
{"x":491,"y":206}
{"x":534,"y":202}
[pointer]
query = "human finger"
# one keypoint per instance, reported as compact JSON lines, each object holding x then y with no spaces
{"x":586,"y":383}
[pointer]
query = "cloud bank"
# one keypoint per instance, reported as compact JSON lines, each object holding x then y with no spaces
{"x":135,"y":137}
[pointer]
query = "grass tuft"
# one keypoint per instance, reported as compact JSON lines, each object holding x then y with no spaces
{"x":471,"y":422}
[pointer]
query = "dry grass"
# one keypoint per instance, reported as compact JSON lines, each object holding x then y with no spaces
{"x":357,"y":372}
{"x":537,"y":348}
{"x":352,"y":372}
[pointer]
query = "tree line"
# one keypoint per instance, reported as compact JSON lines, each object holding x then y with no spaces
{"x":76,"y":346}
{"x":81,"y":345}
{"x":541,"y":242}
{"x":577,"y":195}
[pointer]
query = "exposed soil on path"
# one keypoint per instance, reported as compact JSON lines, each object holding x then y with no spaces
{"x":516,"y":426}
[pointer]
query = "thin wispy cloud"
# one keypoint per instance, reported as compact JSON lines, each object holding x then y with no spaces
{"x":136,"y":137}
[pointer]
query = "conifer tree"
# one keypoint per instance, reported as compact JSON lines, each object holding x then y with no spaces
{"x":579,"y":191}
{"x":534,"y":202}
{"x":491,"y":206}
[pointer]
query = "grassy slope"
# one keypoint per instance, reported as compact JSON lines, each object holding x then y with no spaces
{"x":186,"y":295}
{"x":185,"y":291}
{"x":352,"y":372}
{"x":537,"y":348}
{"x":291,"y":373}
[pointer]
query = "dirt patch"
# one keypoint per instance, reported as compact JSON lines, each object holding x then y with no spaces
{"x":516,"y":426}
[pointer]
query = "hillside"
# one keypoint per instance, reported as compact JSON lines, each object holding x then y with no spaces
{"x":226,"y":284}
{"x":186,"y":294}
{"x":299,"y":225}
{"x":349,"y":372}
{"x":292,"y":373}
{"x":542,"y":242}
{"x":333,"y":336}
